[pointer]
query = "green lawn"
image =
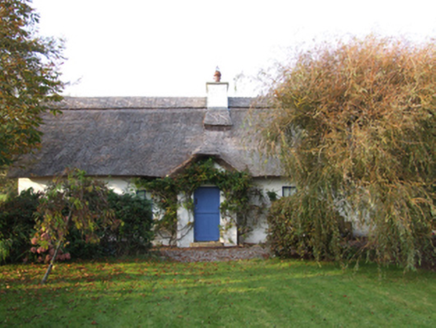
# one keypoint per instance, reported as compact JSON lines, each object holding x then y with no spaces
{"x":256,"y":293}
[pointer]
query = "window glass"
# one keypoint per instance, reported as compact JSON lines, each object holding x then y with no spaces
{"x":143,"y":194}
{"x":288,"y":191}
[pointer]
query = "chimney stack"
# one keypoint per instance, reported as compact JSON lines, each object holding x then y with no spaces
{"x":217,"y":92}
{"x":217,"y":115}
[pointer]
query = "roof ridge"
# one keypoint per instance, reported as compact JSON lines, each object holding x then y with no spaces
{"x":148,"y":102}
{"x":131,"y":102}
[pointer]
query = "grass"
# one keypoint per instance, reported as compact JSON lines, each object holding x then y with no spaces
{"x":271,"y":293}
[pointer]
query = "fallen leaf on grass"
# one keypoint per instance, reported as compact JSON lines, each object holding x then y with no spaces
{"x":94,"y":323}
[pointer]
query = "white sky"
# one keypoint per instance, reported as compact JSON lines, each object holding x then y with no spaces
{"x":171,"y":47}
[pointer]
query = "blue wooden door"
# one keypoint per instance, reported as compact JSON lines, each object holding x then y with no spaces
{"x":206,"y":214}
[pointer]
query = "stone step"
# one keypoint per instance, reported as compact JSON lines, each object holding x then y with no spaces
{"x":206,"y":244}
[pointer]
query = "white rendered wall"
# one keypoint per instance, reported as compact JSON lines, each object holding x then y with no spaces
{"x":118,"y":185}
{"x":228,"y":229}
{"x":185,"y":225}
{"x":360,"y":229}
{"x":260,"y":224}
{"x":259,"y":233}
{"x":38,"y":184}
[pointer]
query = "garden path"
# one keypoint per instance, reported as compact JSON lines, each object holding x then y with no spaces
{"x":213,"y":254}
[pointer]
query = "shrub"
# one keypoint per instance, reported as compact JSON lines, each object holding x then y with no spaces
{"x":132,"y":236}
{"x":80,"y":249}
{"x":17,"y":221}
{"x":18,"y":216}
{"x":306,"y":232}
{"x":135,"y":232}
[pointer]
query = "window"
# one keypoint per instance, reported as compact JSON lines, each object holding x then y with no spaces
{"x":143,"y":194}
{"x":288,"y":191}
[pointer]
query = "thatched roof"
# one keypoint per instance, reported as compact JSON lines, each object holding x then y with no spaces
{"x":149,"y":137}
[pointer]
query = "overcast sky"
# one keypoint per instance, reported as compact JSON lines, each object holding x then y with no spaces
{"x":171,"y":48}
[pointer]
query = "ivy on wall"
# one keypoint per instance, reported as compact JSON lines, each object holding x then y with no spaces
{"x":237,"y":187}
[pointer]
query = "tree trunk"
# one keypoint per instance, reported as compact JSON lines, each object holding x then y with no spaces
{"x":53,"y":259}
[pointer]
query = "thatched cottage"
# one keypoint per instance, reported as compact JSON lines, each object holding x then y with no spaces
{"x":118,"y":139}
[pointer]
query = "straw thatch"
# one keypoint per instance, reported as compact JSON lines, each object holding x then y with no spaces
{"x":148,"y":137}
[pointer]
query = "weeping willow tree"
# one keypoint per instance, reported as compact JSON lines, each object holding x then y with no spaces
{"x":354,"y":126}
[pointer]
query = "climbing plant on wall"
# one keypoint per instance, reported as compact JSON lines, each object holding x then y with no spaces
{"x":237,"y":187}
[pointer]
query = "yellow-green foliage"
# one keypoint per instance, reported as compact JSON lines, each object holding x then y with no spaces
{"x":355,"y":121}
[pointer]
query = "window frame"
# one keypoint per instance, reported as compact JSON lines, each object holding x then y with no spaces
{"x":288,"y":191}
{"x":144,"y":194}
